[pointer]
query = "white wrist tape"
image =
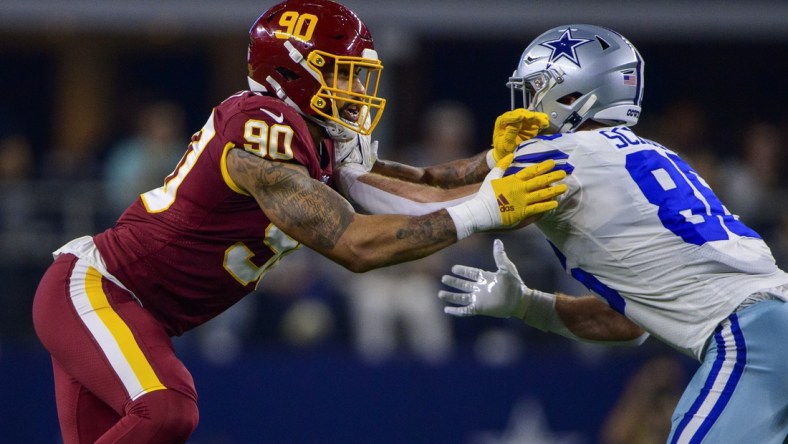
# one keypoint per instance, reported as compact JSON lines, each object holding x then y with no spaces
{"x":491,"y":159}
{"x":541,"y":314}
{"x":479,"y":213}
{"x":540,"y":310}
{"x":471,"y":216}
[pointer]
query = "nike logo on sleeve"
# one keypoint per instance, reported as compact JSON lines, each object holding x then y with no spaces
{"x":278,"y":118}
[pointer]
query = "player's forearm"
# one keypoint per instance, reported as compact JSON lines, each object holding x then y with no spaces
{"x":318,"y":217}
{"x":377,"y":194}
{"x":371,"y":242}
{"x":322,"y":220}
{"x":589,"y":318}
{"x":452,"y":174}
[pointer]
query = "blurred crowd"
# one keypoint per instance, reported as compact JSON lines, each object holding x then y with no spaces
{"x":50,"y":196}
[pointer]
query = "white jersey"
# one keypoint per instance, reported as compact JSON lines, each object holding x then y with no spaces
{"x":641,"y":229}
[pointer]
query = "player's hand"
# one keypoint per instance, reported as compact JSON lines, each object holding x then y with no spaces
{"x":529,"y":193}
{"x":503,"y":202}
{"x":360,"y":152}
{"x":354,"y":158}
{"x":513,"y":128}
{"x":500,"y":294}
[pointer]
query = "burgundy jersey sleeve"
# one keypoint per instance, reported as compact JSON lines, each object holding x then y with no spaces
{"x":196,"y":245}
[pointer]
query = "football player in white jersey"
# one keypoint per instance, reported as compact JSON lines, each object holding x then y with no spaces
{"x":638,"y":226}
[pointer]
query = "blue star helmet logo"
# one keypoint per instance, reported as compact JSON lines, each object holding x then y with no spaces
{"x":565,"y":46}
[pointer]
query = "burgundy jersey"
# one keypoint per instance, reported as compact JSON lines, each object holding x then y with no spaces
{"x":195,"y":246}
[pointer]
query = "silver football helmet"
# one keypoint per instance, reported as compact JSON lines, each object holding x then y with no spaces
{"x":597,"y":67}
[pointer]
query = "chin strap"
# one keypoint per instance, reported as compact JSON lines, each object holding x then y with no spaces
{"x":256,"y":86}
{"x":576,"y":118}
{"x":299,"y":58}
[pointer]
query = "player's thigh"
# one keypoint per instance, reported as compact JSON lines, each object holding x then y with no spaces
{"x":758,"y":409}
{"x":740,"y":393}
{"x":103,"y":338}
{"x":766,"y":326}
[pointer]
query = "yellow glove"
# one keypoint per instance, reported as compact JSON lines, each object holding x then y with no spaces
{"x":513,"y":128}
{"x":528,"y":192}
{"x":503,"y":202}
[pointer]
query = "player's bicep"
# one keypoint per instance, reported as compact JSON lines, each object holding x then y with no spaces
{"x":302,"y":207}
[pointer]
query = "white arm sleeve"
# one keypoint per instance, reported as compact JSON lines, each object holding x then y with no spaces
{"x":373,"y":200}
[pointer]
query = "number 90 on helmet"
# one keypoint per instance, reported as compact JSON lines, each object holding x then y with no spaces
{"x":299,"y":49}
{"x":574,"y":73}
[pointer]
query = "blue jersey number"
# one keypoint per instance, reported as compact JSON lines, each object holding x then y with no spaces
{"x":687,"y":207}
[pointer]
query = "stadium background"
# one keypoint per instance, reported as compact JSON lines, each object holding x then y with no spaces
{"x":73,"y":76}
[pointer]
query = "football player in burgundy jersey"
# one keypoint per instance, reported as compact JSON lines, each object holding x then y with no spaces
{"x":255,"y":183}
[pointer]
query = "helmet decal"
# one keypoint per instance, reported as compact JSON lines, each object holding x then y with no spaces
{"x":565,"y":46}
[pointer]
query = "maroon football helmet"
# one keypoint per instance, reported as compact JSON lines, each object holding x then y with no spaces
{"x":296,"y":45}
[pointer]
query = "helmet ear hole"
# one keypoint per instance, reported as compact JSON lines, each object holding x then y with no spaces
{"x":287,"y":74}
{"x":569,"y":98}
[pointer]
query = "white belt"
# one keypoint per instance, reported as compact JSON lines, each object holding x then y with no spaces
{"x":755,"y":298}
{"x":85,"y":249}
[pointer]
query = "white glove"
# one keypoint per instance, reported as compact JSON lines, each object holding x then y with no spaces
{"x":353,"y":159}
{"x":503,"y":294}
{"x":500,"y":294}
{"x":359,"y":151}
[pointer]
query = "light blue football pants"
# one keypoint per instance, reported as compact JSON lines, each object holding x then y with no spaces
{"x":740,"y":392}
